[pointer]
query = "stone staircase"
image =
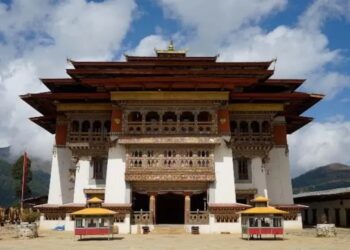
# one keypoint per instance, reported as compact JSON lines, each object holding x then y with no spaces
{"x":169,"y":229}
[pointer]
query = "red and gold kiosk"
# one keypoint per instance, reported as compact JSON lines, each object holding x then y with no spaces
{"x":262,"y":219}
{"x":94,"y":220}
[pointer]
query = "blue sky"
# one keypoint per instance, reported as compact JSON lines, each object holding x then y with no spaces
{"x":310,"y":40}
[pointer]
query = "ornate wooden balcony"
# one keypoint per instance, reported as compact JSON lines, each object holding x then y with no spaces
{"x":88,"y":143}
{"x":171,"y":172}
{"x":248,"y":144}
{"x":171,"y":128}
{"x":170,"y":164}
{"x":88,"y":137}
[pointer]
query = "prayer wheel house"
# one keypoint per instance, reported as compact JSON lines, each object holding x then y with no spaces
{"x":262,"y":219}
{"x":93,"y":220}
{"x":170,"y":139}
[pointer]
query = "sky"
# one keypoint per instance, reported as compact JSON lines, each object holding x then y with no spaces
{"x":310,"y":40}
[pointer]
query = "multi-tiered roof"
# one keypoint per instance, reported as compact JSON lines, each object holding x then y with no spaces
{"x":172,"y":70}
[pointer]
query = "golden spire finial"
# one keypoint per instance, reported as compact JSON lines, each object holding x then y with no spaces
{"x":170,"y":51}
{"x":171,"y":46}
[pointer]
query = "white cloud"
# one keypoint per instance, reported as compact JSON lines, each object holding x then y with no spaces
{"x":208,"y":23}
{"x":302,"y":51}
{"x":319,"y":144}
{"x":147,"y":45}
{"x":36,"y":38}
{"x":322,"y":10}
{"x":231,"y":28}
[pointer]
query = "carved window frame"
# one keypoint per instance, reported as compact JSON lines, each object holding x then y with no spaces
{"x":236,"y":163}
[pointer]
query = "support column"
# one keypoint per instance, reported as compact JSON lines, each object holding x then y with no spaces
{"x":61,"y":189}
{"x":224,"y":175}
{"x":82,"y":174}
{"x":117,"y":189}
{"x":152,"y":207}
{"x":278,"y":177}
{"x":187,"y":207}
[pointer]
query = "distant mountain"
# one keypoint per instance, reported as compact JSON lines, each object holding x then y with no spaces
{"x":39,"y":184}
{"x":4,"y":152}
{"x":331,"y":176}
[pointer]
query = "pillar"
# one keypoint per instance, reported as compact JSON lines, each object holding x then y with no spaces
{"x":82,"y":174}
{"x":61,"y":189}
{"x":116,"y":121}
{"x":223,"y":190}
{"x":187,"y":207}
{"x":117,"y":189}
{"x":278,"y":177}
{"x":61,"y":131}
{"x":152,"y":207}
{"x":224,"y":122}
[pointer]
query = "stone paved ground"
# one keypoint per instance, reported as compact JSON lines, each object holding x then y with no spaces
{"x":48,"y":240}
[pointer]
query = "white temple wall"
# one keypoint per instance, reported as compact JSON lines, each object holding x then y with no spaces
{"x":216,"y":227}
{"x":124,"y":227}
{"x":258,"y":178}
{"x":82,"y":175}
{"x":61,"y":189}
{"x":223,"y":189}
{"x":294,"y":224}
{"x":51,"y":224}
{"x":278,"y":180}
{"x":117,"y":189}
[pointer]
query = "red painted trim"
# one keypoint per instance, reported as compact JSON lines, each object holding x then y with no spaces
{"x":92,"y":231}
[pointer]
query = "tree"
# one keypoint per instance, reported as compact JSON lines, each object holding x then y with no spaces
{"x":17,"y":173}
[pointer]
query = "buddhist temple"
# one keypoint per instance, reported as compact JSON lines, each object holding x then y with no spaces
{"x":170,"y":139}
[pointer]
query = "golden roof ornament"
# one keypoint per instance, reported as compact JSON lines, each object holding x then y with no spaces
{"x":171,"y":51}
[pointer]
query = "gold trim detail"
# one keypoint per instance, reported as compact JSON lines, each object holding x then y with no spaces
{"x":170,"y":96}
{"x":246,"y":107}
{"x":84,"y":107}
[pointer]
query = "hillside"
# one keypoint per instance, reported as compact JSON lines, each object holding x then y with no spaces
{"x":39,"y":184}
{"x":331,"y":176}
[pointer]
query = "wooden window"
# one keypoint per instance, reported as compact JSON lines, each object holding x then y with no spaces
{"x":75,"y":126}
{"x":98,"y":168}
{"x":243,"y":173}
{"x":243,"y":127}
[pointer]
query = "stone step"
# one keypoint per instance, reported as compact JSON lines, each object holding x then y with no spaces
{"x":169,"y":229}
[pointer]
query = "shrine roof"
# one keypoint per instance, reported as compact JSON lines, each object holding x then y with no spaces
{"x":170,"y":70}
{"x":94,"y":211}
{"x":263,"y":210}
{"x":166,"y":63}
{"x":94,"y":200}
{"x":260,"y":199}
{"x":46,"y":122}
{"x":296,"y":122}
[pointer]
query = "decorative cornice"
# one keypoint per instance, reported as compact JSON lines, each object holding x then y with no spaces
{"x":256,"y":107}
{"x":170,"y":140}
{"x":182,"y":175}
{"x":170,"y":96}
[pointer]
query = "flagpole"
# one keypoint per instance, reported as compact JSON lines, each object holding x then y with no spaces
{"x":24,"y":177}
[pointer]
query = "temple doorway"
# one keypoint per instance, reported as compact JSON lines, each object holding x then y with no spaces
{"x":199,"y":202}
{"x":170,"y":209}
{"x":140,"y":202}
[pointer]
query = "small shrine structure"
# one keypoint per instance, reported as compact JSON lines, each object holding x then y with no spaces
{"x":94,"y":220}
{"x":262,"y":219}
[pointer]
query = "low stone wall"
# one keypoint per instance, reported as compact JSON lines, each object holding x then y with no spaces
{"x":325,"y":230}
{"x":26,"y":230}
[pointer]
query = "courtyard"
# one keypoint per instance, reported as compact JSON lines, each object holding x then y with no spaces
{"x":48,"y":240}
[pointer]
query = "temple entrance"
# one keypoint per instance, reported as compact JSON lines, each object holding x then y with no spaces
{"x":170,"y":209}
{"x":140,"y":202}
{"x":199,"y":202}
